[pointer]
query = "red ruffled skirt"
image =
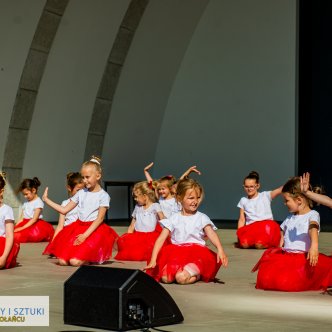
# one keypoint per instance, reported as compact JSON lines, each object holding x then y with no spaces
{"x":264,"y":233}
{"x":173,"y":258}
{"x":97,"y":248}
{"x":291,"y":272}
{"x":11,"y":259}
{"x":40,"y":231}
{"x":137,"y":246}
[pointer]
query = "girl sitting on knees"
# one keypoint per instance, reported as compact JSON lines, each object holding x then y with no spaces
{"x":256,"y":227}
{"x":297,"y":266}
{"x":32,"y":227}
{"x":138,"y":242}
{"x":89,"y":239}
{"x":187,"y":259}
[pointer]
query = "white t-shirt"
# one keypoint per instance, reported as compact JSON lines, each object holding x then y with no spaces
{"x":90,"y":202}
{"x":258,"y":208}
{"x":169,"y":206}
{"x":30,"y":207}
{"x":6,"y":213}
{"x":187,"y":229}
{"x":146,"y":219}
{"x":72,"y":215}
{"x":296,"y":231}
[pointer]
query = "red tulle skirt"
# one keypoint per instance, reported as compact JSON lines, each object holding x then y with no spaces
{"x":11,"y":259}
{"x":97,"y":248}
{"x":40,"y":231}
{"x":172,"y":259}
{"x":264,"y":233}
{"x":291,"y":272}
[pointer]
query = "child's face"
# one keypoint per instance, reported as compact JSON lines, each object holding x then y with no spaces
{"x":163,"y":190}
{"x":292,"y":203}
{"x":77,"y":187}
{"x":191,"y":201}
{"x":140,"y":198}
{"x":90,"y":176}
{"x":250,"y":187}
{"x":28,"y":194}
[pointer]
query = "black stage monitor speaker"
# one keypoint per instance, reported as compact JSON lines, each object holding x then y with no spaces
{"x":117,"y":299}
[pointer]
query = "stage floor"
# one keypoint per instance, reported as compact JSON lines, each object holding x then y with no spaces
{"x":231,"y":305}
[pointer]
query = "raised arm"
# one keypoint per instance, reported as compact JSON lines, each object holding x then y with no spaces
{"x":318,"y":198}
{"x":147,"y":173}
{"x":57,"y":207}
{"x":276,"y":192}
{"x":190,"y":170}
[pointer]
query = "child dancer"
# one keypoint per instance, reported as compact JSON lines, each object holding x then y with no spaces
{"x":32,"y":228}
{"x":165,"y":189}
{"x":137,"y":244}
{"x":298,"y":266}
{"x":8,"y":247}
{"x":88,"y":239}
{"x":256,"y":227}
{"x":187,"y":259}
{"x":74,"y":184}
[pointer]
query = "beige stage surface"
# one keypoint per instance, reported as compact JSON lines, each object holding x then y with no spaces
{"x":233,"y":304}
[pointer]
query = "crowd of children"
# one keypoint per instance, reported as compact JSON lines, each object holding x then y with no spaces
{"x":169,"y":233}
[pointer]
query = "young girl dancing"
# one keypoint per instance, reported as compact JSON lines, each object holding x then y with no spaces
{"x":298,"y":266}
{"x":32,"y":227}
{"x":256,"y":227}
{"x":138,"y":242}
{"x":165,"y":189}
{"x":187,"y":259}
{"x":74,"y":184}
{"x":8,"y":247}
{"x":89,"y":239}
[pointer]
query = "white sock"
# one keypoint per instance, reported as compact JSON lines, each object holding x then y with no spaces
{"x":192,"y":269}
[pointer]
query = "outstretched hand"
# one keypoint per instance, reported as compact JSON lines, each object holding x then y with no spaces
{"x":45,"y":194}
{"x":146,"y":168}
{"x":221,"y":256}
{"x":305,"y":182}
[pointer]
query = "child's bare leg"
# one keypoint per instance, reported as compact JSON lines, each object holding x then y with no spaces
{"x":188,"y":275}
{"x":164,"y":278}
{"x":260,"y":246}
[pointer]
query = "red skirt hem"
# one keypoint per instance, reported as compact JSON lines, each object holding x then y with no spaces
{"x":40,"y":231}
{"x":291,"y":272}
{"x":265,"y":233}
{"x":97,"y":248}
{"x":12,"y":256}
{"x":173,"y":258}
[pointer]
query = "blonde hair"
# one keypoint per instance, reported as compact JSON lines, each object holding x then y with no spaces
{"x":94,"y":161}
{"x":187,"y":184}
{"x":169,"y":180}
{"x":145,"y":188}
{"x":2,"y":180}
{"x":293,"y":188}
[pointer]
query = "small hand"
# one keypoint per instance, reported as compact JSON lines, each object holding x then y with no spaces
{"x":194,"y":169}
{"x":222,"y":256}
{"x":18,"y":229}
{"x":313,"y":256}
{"x":45,"y":195}
{"x":79,"y":239}
{"x":146,"y":168}
{"x":305,"y":182}
{"x":151,"y":265}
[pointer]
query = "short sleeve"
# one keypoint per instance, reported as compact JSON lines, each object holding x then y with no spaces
{"x":315,"y":217}
{"x":241,"y":203}
{"x":267,"y":194}
{"x":157,"y":207}
{"x":134,"y":212}
{"x":105,"y":200}
{"x":9,"y":214}
{"x":76,"y":197}
{"x":167,"y":223}
{"x":39,"y":204}
{"x":205,"y":220}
